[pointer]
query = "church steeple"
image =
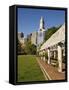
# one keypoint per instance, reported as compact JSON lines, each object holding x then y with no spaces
{"x":41,"y":24}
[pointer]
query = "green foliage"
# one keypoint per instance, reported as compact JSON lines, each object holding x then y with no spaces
{"x":30,"y":48}
{"x":27,"y":49}
{"x":50,"y":31}
{"x":33,"y":49}
{"x":21,"y":50}
{"x":19,"y":47}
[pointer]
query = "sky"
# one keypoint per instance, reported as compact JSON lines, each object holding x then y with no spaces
{"x":29,"y":19}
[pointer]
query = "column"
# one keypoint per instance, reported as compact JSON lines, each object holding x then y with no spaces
{"x":59,"y":58}
{"x":49,"y":61}
{"x":54,"y":54}
{"x":44,"y":58}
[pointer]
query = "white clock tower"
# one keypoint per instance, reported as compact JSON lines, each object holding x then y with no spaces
{"x":41,"y":33}
{"x":41,"y":24}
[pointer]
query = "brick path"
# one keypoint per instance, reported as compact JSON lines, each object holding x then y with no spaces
{"x":52,"y":71}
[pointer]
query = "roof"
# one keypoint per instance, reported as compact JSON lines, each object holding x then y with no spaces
{"x":57,"y":37}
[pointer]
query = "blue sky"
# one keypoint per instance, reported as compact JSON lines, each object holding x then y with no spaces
{"x":29,"y":19}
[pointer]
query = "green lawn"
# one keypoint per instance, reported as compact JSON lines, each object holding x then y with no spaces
{"x":28,"y":69}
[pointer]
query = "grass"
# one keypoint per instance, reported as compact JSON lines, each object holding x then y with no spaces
{"x":28,"y":69}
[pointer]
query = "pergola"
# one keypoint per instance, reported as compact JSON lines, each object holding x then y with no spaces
{"x":55,"y":43}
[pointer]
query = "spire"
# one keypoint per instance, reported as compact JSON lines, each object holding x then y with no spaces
{"x":41,"y":23}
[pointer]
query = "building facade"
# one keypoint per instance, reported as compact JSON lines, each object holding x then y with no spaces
{"x":34,"y":38}
{"x":37,"y":37}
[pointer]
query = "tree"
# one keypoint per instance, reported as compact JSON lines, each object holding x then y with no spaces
{"x":50,"y":31}
{"x":33,"y":49}
{"x":19,"y":47}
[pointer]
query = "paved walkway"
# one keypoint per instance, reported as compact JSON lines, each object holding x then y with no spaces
{"x":51,"y":71}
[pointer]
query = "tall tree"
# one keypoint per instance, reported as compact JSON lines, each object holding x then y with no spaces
{"x":50,"y":31}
